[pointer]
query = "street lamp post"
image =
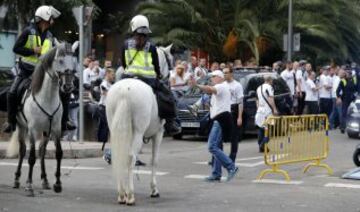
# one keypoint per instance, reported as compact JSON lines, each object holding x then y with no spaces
{"x":290,"y":32}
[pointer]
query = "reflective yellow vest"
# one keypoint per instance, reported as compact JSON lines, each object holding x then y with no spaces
{"x":139,"y":62}
{"x":33,"y":41}
{"x":345,"y":82}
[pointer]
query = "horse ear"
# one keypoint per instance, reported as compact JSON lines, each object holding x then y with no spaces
{"x":57,"y":43}
{"x":168,"y":48}
{"x":75,"y":46}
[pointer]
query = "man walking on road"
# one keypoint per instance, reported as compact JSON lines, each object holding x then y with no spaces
{"x":236,"y":100}
{"x":222,"y":126}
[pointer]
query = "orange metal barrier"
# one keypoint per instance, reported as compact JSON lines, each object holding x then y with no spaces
{"x":293,"y":139}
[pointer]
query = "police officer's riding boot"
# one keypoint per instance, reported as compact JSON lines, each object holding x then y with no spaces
{"x":171,"y":127}
{"x":10,"y":126}
{"x":66,"y":123}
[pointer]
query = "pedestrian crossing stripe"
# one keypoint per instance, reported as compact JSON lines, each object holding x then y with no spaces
{"x":248,"y":165}
{"x":342,"y":185}
{"x":281,"y":182}
{"x":199,"y":177}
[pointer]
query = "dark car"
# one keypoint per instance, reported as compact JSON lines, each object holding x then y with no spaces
{"x":200,"y":124}
{"x":353,"y":119}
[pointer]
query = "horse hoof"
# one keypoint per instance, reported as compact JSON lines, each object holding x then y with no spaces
{"x":46,"y":186}
{"x":16,"y":185}
{"x":131,"y":203}
{"x":57,"y":188}
{"x":121,"y":200}
{"x":29,"y":192}
{"x":156,"y":195}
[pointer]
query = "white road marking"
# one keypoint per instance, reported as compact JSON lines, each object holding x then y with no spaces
{"x":342,"y":185}
{"x":147,"y":172}
{"x":249,"y":165}
{"x":250,"y":158}
{"x":63,"y":167}
{"x":281,"y":182}
{"x":142,"y":172}
{"x":200,"y":177}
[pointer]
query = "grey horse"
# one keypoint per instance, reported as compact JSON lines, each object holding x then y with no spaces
{"x":42,"y":112}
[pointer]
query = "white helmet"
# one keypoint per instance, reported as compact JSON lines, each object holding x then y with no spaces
{"x":46,"y":13}
{"x":140,"y":24}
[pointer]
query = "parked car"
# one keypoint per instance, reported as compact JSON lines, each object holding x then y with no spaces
{"x":353,"y":119}
{"x":200,"y":124}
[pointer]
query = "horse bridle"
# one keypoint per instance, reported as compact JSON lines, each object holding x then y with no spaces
{"x":170,"y":66}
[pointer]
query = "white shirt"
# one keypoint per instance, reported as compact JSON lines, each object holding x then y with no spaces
{"x":89,"y":76}
{"x":220,"y":102}
{"x":323,"y":92}
{"x":336,"y":81}
{"x":197,"y":72}
{"x":300,"y":76}
{"x":288,"y":76}
{"x":104,"y":88}
{"x":264,"y":110}
{"x":236,"y":92}
{"x":311,"y":95}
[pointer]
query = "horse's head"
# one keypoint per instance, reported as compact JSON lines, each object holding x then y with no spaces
{"x":65,"y":65}
{"x":166,"y":60}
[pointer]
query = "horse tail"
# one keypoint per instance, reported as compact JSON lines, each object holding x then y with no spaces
{"x":121,"y":134}
{"x":13,"y":148}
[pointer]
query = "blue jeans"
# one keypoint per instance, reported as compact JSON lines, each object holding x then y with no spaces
{"x":335,"y":117}
{"x":220,"y":158}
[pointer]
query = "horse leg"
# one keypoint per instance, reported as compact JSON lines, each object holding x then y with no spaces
{"x":156,"y":140}
{"x":122,"y":192}
{"x":22,"y":152}
{"x":32,"y":159}
{"x":42,"y":152}
{"x":136,"y":146}
{"x":59,"y":154}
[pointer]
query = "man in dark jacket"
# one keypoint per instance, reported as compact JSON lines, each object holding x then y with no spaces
{"x":345,"y":94}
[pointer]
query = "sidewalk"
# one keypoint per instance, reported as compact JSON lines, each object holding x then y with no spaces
{"x":70,"y":149}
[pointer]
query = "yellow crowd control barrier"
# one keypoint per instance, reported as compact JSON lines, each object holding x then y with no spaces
{"x":293,"y":139}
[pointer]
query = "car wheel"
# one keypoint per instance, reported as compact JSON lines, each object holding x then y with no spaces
{"x":178,"y":136}
{"x":352,"y":135}
{"x":356,"y":157}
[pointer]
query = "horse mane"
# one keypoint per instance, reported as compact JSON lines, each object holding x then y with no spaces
{"x":44,"y":64}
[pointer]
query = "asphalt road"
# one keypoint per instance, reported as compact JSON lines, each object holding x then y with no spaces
{"x":88,"y":184}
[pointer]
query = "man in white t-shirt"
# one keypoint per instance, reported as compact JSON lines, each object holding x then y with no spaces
{"x":265,"y":107}
{"x":222,"y":126}
{"x":300,"y":89}
{"x":325,"y":92}
{"x":289,"y":76}
{"x":236,"y":100}
{"x":335,"y":117}
{"x":312,"y":94}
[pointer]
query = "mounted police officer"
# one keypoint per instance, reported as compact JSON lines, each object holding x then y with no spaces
{"x":140,"y":60}
{"x":34,"y":41}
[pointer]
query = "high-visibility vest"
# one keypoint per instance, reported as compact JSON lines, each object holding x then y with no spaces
{"x":139,"y":62}
{"x":33,"y":41}
{"x":345,"y":82}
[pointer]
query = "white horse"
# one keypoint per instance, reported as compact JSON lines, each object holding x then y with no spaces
{"x":42,"y":112}
{"x":132,"y":114}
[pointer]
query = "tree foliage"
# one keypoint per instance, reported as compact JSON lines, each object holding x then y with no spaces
{"x":228,"y":29}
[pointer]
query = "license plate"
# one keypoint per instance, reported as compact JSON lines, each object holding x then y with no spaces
{"x":190,"y":124}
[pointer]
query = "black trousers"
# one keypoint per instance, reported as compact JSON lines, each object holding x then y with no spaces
{"x":103,"y":128}
{"x":313,"y":107}
{"x":235,"y":137}
{"x":326,"y":106}
{"x":301,"y":104}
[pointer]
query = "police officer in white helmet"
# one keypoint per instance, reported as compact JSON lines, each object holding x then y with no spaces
{"x":34,"y":41}
{"x":140,"y":60}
